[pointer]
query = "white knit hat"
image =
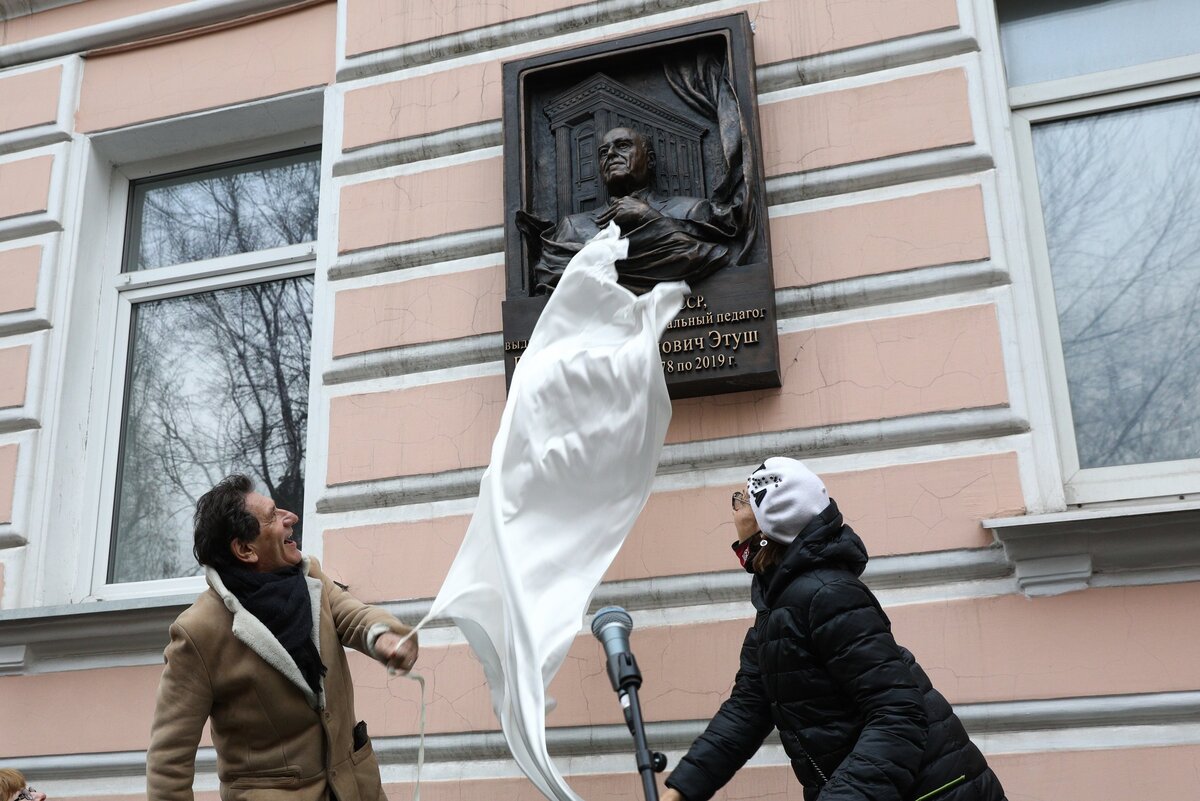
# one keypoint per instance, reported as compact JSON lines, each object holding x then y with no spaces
{"x":785,"y":496}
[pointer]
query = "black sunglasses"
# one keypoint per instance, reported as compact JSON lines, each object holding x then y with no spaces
{"x":740,"y":499}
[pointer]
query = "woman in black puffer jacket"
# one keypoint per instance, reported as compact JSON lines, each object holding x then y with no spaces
{"x":855,"y":712}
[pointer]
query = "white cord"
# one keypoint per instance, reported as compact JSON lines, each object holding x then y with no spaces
{"x":419,"y":679}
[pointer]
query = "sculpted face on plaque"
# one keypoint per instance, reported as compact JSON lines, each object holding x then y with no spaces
{"x":671,"y":237}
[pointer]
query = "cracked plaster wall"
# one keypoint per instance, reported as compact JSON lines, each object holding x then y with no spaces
{"x":923,"y":230}
{"x":787,"y":28}
{"x":986,"y":649}
{"x":1107,"y":641}
{"x":29,"y":98}
{"x":933,"y":228}
{"x":890,"y":367}
{"x":798,"y":134}
{"x":14,"y":374}
{"x":905,"y":115}
{"x":265,"y":58}
{"x":437,"y":102}
{"x":976,"y":650}
{"x":74,"y":16}
{"x":858,"y":371}
{"x":912,"y":508}
{"x":472,"y":94}
{"x":19,"y":270}
{"x":415,"y":205}
{"x":443,"y":307}
{"x":25,"y":186}
{"x":1060,"y":775}
{"x":8,"y":481}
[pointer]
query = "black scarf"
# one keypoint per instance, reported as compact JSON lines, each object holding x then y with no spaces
{"x":281,"y":601}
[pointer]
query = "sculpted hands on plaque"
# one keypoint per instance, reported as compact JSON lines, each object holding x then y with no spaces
{"x":671,"y":238}
{"x":628,"y":212}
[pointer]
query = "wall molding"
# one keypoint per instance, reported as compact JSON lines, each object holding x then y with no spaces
{"x":27,"y":415}
{"x":1143,"y":709}
{"x":18,"y":418}
{"x":770,"y":78}
{"x":505,"y":34}
{"x":894,"y":287}
{"x":15,"y":532}
{"x":12,"y":9}
{"x":907,"y":168}
{"x":450,"y":142}
{"x":851,"y":293}
{"x":160,"y":22}
{"x":1068,"y":551}
{"x":135,"y":631}
{"x":27,"y":321}
{"x":906,"y":571}
{"x":903,"y":51}
{"x":420,"y":358}
{"x":34,"y":136}
{"x":64,"y":116}
{"x":254,"y":127}
{"x":49,"y":220}
{"x":23,"y":322}
{"x":417,"y":253}
{"x":872,"y":435}
{"x":874,"y":57}
{"x":878,"y":173}
{"x":29,"y":225}
{"x":88,"y":635}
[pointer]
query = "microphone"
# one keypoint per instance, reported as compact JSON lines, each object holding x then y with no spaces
{"x":611,"y":626}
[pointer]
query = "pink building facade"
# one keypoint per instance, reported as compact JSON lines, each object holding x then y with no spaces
{"x":982,"y":235}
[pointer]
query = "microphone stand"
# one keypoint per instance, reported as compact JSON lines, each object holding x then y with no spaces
{"x":626,"y":679}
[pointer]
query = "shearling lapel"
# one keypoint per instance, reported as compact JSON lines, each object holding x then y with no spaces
{"x":314,"y":596}
{"x":259,"y":639}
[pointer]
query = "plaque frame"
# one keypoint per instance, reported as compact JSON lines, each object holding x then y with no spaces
{"x":725,"y":339}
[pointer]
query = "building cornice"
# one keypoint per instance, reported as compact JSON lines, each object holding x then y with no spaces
{"x":123,"y":31}
{"x":858,"y":437}
{"x":12,"y":9}
{"x":135,"y":631}
{"x":1004,"y":717}
{"x":1072,"y":550}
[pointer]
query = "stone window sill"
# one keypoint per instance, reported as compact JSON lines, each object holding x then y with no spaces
{"x":87,"y":635}
{"x":1079,"y":548}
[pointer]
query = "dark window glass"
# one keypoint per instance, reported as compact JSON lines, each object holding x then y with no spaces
{"x":217,"y":383}
{"x":1121,"y":203}
{"x":235,"y":208}
{"x":1044,"y":40}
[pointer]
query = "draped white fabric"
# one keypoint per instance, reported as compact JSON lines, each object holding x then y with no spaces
{"x":570,"y":471}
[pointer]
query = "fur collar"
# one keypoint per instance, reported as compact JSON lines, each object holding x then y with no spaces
{"x":259,"y":639}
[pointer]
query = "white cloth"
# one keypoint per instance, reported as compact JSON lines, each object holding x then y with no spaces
{"x":571,"y":468}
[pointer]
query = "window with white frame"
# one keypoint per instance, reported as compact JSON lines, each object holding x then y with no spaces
{"x":1106,"y":119}
{"x":212,"y":352}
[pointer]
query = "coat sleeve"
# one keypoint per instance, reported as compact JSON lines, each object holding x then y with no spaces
{"x":183,"y":704}
{"x":732,"y":737}
{"x":353,"y":619}
{"x":853,"y":638}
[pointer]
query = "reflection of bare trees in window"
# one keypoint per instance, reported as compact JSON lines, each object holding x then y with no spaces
{"x":226,"y":212}
{"x":1121,"y":200}
{"x":218,"y":383}
{"x":217,"y":380}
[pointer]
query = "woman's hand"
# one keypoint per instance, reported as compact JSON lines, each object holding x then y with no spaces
{"x":671,"y":795}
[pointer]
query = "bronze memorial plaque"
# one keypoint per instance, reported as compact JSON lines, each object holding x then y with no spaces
{"x":659,"y":132}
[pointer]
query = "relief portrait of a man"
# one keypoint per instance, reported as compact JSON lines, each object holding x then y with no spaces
{"x":671,"y":238}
